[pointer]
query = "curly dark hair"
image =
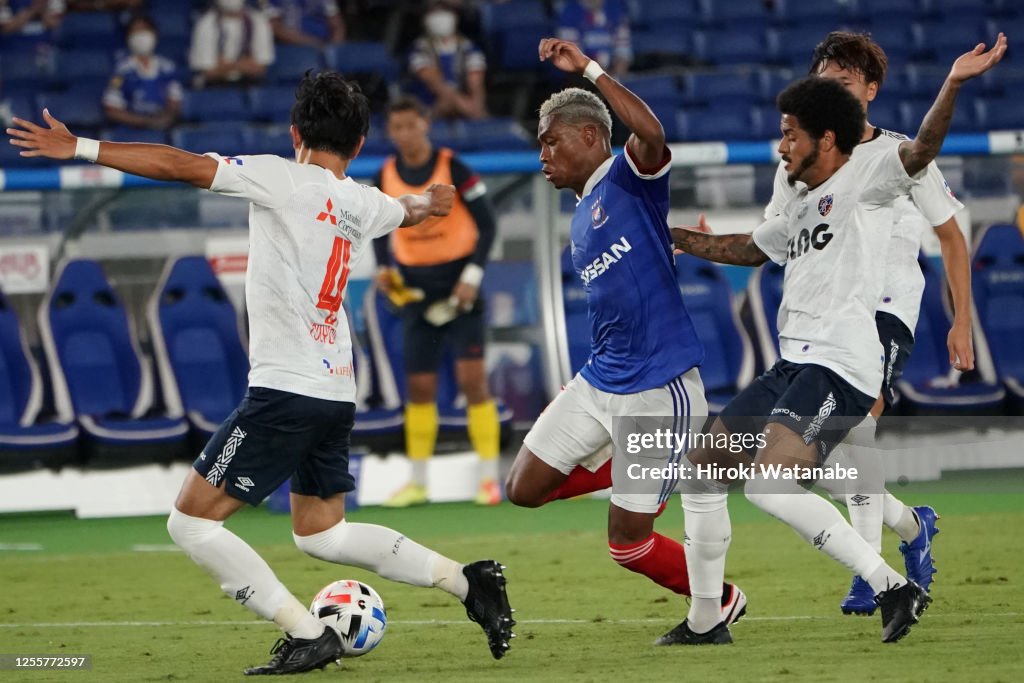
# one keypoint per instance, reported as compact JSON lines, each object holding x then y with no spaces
{"x":855,"y":52}
{"x":330,"y":113}
{"x":822,"y":104}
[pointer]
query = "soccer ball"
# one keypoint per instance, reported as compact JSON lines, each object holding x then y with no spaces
{"x":355,"y":612}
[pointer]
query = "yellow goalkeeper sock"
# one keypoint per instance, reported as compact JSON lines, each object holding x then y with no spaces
{"x":420,"y":430}
{"x":484,"y":430}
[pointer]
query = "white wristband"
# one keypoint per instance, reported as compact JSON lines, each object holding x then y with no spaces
{"x":87,"y":149}
{"x":593,"y":71}
{"x":472,"y":275}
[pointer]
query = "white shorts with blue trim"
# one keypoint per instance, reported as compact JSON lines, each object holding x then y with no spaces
{"x":578,"y":424}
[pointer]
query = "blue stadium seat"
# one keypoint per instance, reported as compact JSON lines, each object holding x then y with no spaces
{"x":885,"y":113}
{"x":517,"y":49}
{"x":944,"y":40}
{"x":225,"y":138}
{"x":765,"y":294}
{"x":98,"y":372}
{"x":737,"y":12}
{"x":912,"y":113}
{"x":670,"y":116}
{"x":26,"y":441}
{"x":577,"y":317}
{"x":662,"y":89}
{"x":73,"y":108}
{"x":675,"y":15}
{"x":771,"y":81}
{"x":23,"y":71}
{"x":793,"y":47}
{"x":74,"y":65}
{"x":998,"y":291}
{"x":174,"y":24}
{"x":91,"y":30}
{"x":197,"y":344}
{"x":728,"y":356}
{"x":717,"y":123}
{"x":126,"y":134}
{"x":272,"y":103}
{"x":384,"y":328}
{"x":510,"y":289}
{"x":891,"y":11}
{"x":272,"y":140}
{"x":731,"y":46}
{"x":720,"y":87}
{"x":291,"y":62}
{"x":662,"y":44}
{"x":955,"y":11}
{"x":501,"y":17}
{"x":1004,"y":113}
{"x":766,"y":120}
{"x":362,"y":58}
{"x":495,"y":135}
{"x":927,"y":386}
{"x":215,"y":104}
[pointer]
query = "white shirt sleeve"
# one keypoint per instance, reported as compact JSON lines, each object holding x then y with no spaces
{"x":264,"y":179}
{"x":385,"y":213}
{"x":933,"y":198}
{"x":884,"y":177}
{"x":202,"y":54}
{"x":772,"y":238}
{"x":782,"y":192}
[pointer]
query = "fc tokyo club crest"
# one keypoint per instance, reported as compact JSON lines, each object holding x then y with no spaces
{"x":598,"y":217}
{"x":825,"y":205}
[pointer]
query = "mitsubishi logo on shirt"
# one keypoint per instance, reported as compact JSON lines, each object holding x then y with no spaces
{"x":328,"y":215}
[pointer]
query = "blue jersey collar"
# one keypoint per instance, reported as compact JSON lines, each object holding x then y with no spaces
{"x":595,"y":178}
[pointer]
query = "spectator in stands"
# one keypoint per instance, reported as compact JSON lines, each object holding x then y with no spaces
{"x":442,"y":261}
{"x":144,"y":91}
{"x":231,"y":44}
{"x":306,"y":22}
{"x":448,"y":68}
{"x":601,"y":29}
{"x":29,"y":23}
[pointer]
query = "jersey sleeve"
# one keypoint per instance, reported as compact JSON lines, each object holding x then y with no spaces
{"x":884,"y":177}
{"x":385,"y":213}
{"x":263,"y":179}
{"x":933,"y":198}
{"x":771,"y":237}
{"x":467,"y":183}
{"x":782,"y":193}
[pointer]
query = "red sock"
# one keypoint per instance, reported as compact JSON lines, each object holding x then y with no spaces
{"x":657,"y":557}
{"x":581,"y":480}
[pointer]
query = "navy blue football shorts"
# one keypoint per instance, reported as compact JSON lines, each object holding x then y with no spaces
{"x":273,"y":435}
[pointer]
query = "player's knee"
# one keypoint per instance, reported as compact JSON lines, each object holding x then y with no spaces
{"x":705,"y":502}
{"x":520,"y":493}
{"x":756,"y":491}
{"x":187,"y":532}
{"x":320,"y":545}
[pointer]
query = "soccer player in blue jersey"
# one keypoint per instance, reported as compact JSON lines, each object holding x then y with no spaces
{"x":645,"y":352}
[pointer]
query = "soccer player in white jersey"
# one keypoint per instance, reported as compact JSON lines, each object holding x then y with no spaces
{"x":831,"y":368}
{"x":859,"y":64}
{"x":308,"y":222}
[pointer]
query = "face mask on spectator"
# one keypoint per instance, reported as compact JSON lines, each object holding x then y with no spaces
{"x":440,"y":23}
{"x":230,"y":5}
{"x":142,"y":43}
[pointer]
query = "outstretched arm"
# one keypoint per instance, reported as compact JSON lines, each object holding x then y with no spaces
{"x":159,"y":162}
{"x":919,"y":152}
{"x":647,"y":142}
{"x":736,"y":250}
{"x":958,"y":273}
{"x":436,"y":201}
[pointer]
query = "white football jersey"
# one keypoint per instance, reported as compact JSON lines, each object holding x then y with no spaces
{"x":930,"y":203}
{"x":306,"y":230}
{"x":828,"y":239}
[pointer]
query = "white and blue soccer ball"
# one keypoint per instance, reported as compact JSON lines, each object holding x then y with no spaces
{"x":355,"y":612}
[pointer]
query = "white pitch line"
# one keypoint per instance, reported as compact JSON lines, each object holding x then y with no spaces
{"x":21,"y":546}
{"x":458,"y":622}
{"x":156,"y":548}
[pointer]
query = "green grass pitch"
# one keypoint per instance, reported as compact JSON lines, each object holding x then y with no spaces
{"x":154,"y":616}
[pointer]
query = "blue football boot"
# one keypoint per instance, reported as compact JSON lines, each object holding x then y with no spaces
{"x":860,"y":599}
{"x":917,"y":555}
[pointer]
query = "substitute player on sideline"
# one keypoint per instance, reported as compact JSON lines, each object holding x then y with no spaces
{"x":444,"y":259}
{"x":859,"y":64}
{"x":645,"y":352}
{"x":309,"y":222}
{"x":831,"y":365}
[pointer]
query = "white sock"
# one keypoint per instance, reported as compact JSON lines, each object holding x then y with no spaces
{"x":241,"y":573}
{"x":488,"y":469}
{"x":386,"y":552}
{"x":708,"y":533}
{"x":817,"y":521}
{"x":419,"y":471}
{"x":900,"y":518}
{"x":884,"y":578}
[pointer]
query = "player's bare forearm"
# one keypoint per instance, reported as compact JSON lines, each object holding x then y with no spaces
{"x":957,"y":263}
{"x":436,"y":201}
{"x":919,"y":152}
{"x":648,"y":140}
{"x":159,"y":162}
{"x":736,"y":250}
{"x":922,"y":150}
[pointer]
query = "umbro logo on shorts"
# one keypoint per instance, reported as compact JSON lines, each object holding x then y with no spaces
{"x":859,"y":500}
{"x":244,"y":483}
